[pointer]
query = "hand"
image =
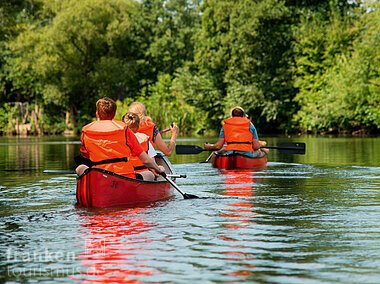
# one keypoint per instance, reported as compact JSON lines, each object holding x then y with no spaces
{"x":262,"y":143}
{"x":208,"y":146}
{"x":174,"y":129}
{"x":157,"y":172}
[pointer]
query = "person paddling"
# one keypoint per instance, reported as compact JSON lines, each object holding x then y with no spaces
{"x":109,"y":144}
{"x":238,"y":135}
{"x":148,"y":127}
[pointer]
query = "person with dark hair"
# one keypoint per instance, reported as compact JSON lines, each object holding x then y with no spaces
{"x":238,"y":135}
{"x":109,"y":144}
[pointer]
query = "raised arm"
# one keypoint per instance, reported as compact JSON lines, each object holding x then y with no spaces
{"x":161,"y":145}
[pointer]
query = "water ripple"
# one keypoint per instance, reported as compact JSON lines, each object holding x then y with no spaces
{"x":289,"y":223}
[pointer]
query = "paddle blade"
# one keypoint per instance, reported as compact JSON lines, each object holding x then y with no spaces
{"x":189,"y":196}
{"x":185,"y":195}
{"x":292,"y":148}
{"x":296,"y":148}
{"x":188,"y":149}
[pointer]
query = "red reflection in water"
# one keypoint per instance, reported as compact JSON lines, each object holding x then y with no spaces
{"x":110,"y":254}
{"x":239,"y":216}
{"x":239,"y":184}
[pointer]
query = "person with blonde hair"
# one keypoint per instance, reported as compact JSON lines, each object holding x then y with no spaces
{"x":109,"y":144}
{"x":238,"y":135}
{"x":132,"y":121}
{"x":148,"y":127}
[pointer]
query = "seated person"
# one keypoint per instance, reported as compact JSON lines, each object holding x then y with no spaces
{"x":238,"y":135}
{"x":148,"y":127}
{"x":132,"y":121}
{"x":109,"y":144}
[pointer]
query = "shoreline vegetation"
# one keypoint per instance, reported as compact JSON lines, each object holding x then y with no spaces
{"x":296,"y":67}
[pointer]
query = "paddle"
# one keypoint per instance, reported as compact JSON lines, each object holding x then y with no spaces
{"x":73,"y":172}
{"x":286,"y":148}
{"x":185,"y":195}
{"x":189,"y":149}
{"x":164,"y":130}
{"x":59,"y":172}
{"x":291,"y":148}
{"x":208,"y":158}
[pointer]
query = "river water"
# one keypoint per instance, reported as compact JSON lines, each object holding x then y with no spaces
{"x":304,"y":219}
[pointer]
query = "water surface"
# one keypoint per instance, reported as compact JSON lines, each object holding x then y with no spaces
{"x":303,"y":219}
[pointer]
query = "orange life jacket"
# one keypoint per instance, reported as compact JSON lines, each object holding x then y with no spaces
{"x":105,"y":140}
{"x":237,"y":134}
{"x":147,"y":127}
{"x":144,"y":142}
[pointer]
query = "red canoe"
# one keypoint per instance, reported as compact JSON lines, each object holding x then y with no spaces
{"x":101,"y":188}
{"x":236,"y":161}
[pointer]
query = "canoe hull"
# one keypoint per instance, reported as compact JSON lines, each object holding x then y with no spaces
{"x":101,"y":188}
{"x":236,"y":162}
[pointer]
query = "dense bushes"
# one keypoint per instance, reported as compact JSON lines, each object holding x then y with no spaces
{"x":292,"y":65}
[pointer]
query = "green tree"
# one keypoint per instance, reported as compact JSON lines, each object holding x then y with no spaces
{"x":166,"y":105}
{"x":173,"y":29}
{"x":242,"y":56}
{"x":355,"y":84}
{"x":73,"y":54}
{"x":199,"y":91}
{"x":15,"y":16}
{"x":320,"y":45}
{"x":258,"y":75}
{"x":310,"y":65}
{"x":164,"y":31}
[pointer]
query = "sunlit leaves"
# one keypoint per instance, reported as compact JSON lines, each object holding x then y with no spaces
{"x":337,"y":72}
{"x":244,"y":46}
{"x":313,"y":65}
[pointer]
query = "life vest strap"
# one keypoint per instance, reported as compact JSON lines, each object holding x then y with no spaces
{"x":138,"y":168}
{"x":228,"y":143}
{"x":109,"y":161}
{"x":79,"y":159}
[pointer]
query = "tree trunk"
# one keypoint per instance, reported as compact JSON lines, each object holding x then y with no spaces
{"x":36,"y":118}
{"x":70,"y":122}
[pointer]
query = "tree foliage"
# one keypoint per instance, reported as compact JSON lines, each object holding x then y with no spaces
{"x":309,"y":66}
{"x":337,"y":70}
{"x":357,"y":80}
